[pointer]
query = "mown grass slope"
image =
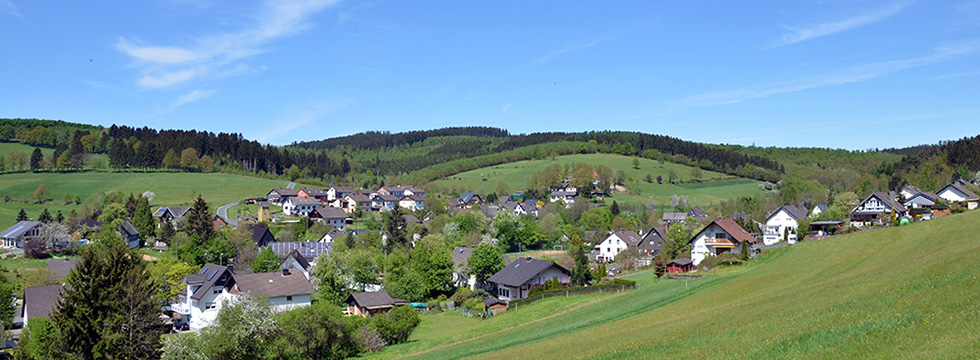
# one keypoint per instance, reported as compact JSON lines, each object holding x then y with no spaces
{"x":517,"y":174}
{"x":899,"y":293}
{"x":170,"y":189}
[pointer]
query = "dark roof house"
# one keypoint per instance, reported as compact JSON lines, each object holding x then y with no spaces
{"x":261,"y":234}
{"x":523,"y":270}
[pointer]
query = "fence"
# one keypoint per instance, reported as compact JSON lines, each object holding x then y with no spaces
{"x":572,"y":291}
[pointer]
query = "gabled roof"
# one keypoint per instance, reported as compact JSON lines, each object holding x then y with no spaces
{"x":697,"y":213}
{"x":394,"y":189}
{"x":931,"y":196}
{"x":732,"y":229}
{"x":386,"y":197}
{"x":822,"y":207}
{"x":491,"y":301}
{"x":40,"y":300}
{"x":411,"y":219}
{"x":414,"y":190}
{"x":631,"y":238}
{"x":412,"y":198}
{"x":283,"y":192}
{"x":273,"y":284}
{"x":794,"y":211}
{"x":343,"y":189}
{"x":653,"y":241}
{"x":210,"y":275}
{"x":259,"y":231}
{"x":358,"y":198}
{"x":674,"y":216}
{"x":299,"y":259}
{"x":960,"y":188}
{"x":889,"y":201}
{"x":461,"y":254}
{"x":331,"y":213}
{"x":371,"y":299}
{"x":303,"y":201}
{"x":178,"y":211}
{"x":468,"y":196}
{"x":523,"y":270}
{"x":19,"y":229}
{"x":681,"y":262}
{"x":313,"y":192}
{"x":334,"y":234}
{"x":910,"y":189}
{"x":62,"y":267}
{"x":127,"y":229}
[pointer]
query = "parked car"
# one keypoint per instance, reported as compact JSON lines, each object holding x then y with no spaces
{"x":181,"y":325}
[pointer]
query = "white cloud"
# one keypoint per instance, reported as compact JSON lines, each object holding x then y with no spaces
{"x":506,"y":108}
{"x":811,"y":32}
{"x":300,"y":116}
{"x":575,"y":48}
{"x":855,"y":74}
{"x":195,"y":95}
{"x":163,"y":66}
{"x":8,"y":7}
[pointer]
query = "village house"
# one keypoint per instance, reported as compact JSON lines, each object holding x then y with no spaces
{"x":369,"y":303}
{"x":385,"y":202}
{"x":957,"y":193}
{"x":308,"y":251}
{"x":414,"y":191}
{"x":516,"y":279}
{"x":297,"y":263}
{"x":278,"y":195}
{"x":392,"y":190}
{"x":720,"y":236}
{"x":920,"y":205}
{"x":357,"y":202}
{"x":20,"y":233}
{"x":615,"y":243}
{"x":566,"y":196}
{"x":330,"y":236}
{"x":338,"y":192}
{"x":783,"y":223}
{"x":205,"y":292}
{"x":168,"y":214}
{"x":461,"y":275}
{"x":299,"y":206}
{"x":218,"y":222}
{"x":468,"y":200}
{"x":907,"y":192}
{"x":261,"y":234}
{"x":127,"y":231}
{"x":331,"y":216}
{"x":681,"y":265}
{"x":412,"y":202}
{"x":819,"y":208}
{"x":319,"y":194}
{"x":652,"y":244}
{"x":40,"y":301}
{"x":876,"y":208}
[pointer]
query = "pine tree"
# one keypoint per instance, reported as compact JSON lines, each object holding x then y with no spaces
{"x":580,"y":272}
{"x":199,"y":219}
{"x":45,"y":216}
{"x":143,"y":218}
{"x":59,"y":218}
{"x":130,"y":206}
{"x":36,"y":159}
{"x":614,"y":208}
{"x":110,"y":310}
{"x":22,"y":215}
{"x":394,"y":227}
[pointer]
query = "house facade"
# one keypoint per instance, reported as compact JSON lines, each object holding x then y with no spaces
{"x":20,"y":233}
{"x":278,"y":195}
{"x":615,"y":243}
{"x":357,"y":202}
{"x":783,"y":223}
{"x":720,"y":236}
{"x":338,"y":192}
{"x":331,"y":216}
{"x":516,"y":279}
{"x":957,"y":193}
{"x":299,"y":206}
{"x":876,"y":208}
{"x":412,"y":202}
{"x":369,"y":303}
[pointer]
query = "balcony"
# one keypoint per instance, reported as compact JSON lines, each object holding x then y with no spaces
{"x":719,"y":242}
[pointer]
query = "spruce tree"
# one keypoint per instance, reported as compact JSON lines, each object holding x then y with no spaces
{"x":22,"y":215}
{"x":37,"y":158}
{"x":394,"y":227}
{"x":130,"y":206}
{"x":199,"y":219}
{"x":59,"y":218}
{"x":110,"y":308}
{"x":45,"y":216}
{"x":143,"y":218}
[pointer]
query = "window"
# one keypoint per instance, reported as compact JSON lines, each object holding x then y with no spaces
{"x":289,"y":298}
{"x":216,"y":291}
{"x":721,"y":235}
{"x":211,"y":306}
{"x":503,"y":292}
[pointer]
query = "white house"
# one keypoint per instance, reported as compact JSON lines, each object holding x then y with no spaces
{"x":819,"y":208}
{"x":921,"y":204}
{"x":412,"y":202}
{"x":908,"y":191}
{"x":515,"y":280}
{"x":385,"y":202}
{"x":720,"y":236}
{"x":357,"y":202}
{"x":461,"y":257}
{"x":21,"y":232}
{"x":297,"y":263}
{"x":338,"y":192}
{"x":566,"y":196}
{"x":207,"y":291}
{"x":877,"y":207}
{"x":414,"y":191}
{"x":331,"y":216}
{"x":784,"y":219}
{"x":299,"y":206}
{"x":615,"y":243}
{"x":957,"y":193}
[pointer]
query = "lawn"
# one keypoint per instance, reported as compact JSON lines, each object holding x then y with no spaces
{"x":517,"y":174}
{"x":897,"y":293}
{"x":6,"y":147}
{"x":170,"y":189}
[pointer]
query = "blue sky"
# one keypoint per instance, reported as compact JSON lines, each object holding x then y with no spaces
{"x":842,"y":74}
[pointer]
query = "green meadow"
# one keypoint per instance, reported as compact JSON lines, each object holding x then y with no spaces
{"x":898,"y":293}
{"x":169,"y":188}
{"x":714,"y":188}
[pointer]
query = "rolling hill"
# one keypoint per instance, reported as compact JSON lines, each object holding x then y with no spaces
{"x":896,"y":293}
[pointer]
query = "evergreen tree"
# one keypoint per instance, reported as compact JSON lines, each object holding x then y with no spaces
{"x":66,"y":199}
{"x":199,"y":219}
{"x":73,"y":214}
{"x":394,"y":227}
{"x":130,"y":206}
{"x":22,"y":215}
{"x":266,"y":261}
{"x":45,"y":216}
{"x":143,"y":218}
{"x":37,"y":158}
{"x":110,"y":308}
{"x":59,"y":218}
{"x":580,"y":272}
{"x":614,"y":208}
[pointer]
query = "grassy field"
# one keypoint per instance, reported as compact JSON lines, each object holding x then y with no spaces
{"x":898,"y":293}
{"x":706,"y":193}
{"x":170,"y":189}
{"x":6,"y":147}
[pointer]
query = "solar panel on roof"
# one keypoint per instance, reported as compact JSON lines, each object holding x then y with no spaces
{"x":213,"y":273}
{"x":202,"y":270}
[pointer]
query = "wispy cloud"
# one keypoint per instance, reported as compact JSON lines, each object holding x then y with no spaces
{"x":506,"y":108}
{"x":300,"y":116}
{"x":851,"y":75}
{"x":195,"y":95}
{"x":163,"y":66}
{"x":7,"y":7}
{"x":798,"y":34}
{"x":574,"y":48}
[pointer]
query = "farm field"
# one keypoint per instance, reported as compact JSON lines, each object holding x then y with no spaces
{"x":6,"y":147}
{"x":705,"y":193}
{"x":897,"y":293}
{"x":170,"y":189}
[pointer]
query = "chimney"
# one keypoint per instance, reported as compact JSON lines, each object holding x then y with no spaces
{"x":529,"y":258}
{"x":285,"y":272}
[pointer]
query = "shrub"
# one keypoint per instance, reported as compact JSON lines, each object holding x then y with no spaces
{"x":728,"y":259}
{"x":475,"y":304}
{"x":461,"y":296}
{"x":397,"y":324}
{"x":707,"y":263}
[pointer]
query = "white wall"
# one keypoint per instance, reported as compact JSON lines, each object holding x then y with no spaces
{"x":776,"y":227}
{"x":951,"y":195}
{"x":700,"y":250}
{"x":611,"y":246}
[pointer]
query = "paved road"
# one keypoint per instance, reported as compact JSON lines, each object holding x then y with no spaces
{"x":291,"y":185}
{"x":223,"y":213}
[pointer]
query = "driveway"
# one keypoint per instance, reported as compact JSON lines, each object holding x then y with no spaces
{"x":223,"y":213}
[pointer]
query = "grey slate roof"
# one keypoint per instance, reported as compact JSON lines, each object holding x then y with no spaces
{"x":299,"y":259}
{"x":631,"y":238}
{"x":19,"y":229}
{"x":304,"y":201}
{"x":674,"y":216}
{"x":315,"y":192}
{"x":273,"y":284}
{"x":62,"y":267}
{"x":682,"y":261}
{"x":213,"y":275}
{"x":796,"y":212}
{"x":308,"y":250}
{"x":461,"y":254}
{"x":522,"y":270}
{"x":331,"y":213}
{"x":40,"y":300}
{"x":959,"y":187}
{"x":127,"y":229}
